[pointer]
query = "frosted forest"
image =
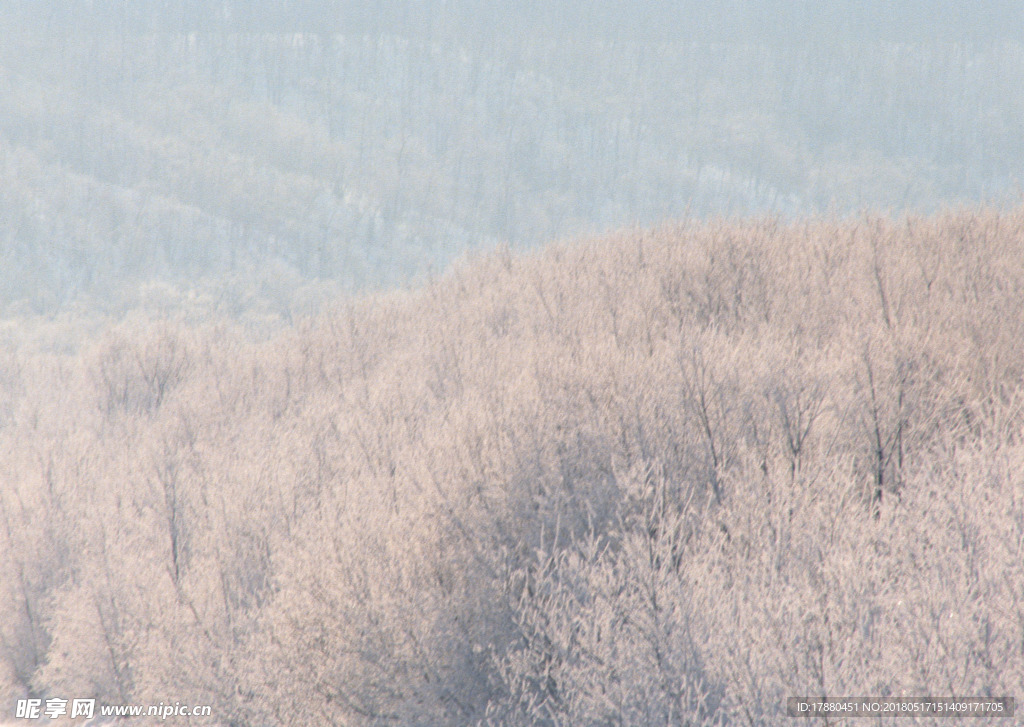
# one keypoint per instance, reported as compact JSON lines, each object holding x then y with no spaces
{"x":455,"y":362}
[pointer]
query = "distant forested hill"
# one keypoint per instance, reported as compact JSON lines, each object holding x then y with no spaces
{"x":264,"y":153}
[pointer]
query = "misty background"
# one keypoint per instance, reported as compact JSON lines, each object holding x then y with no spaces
{"x":234,"y":157}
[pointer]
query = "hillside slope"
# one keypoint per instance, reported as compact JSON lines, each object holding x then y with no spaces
{"x":671,"y":476}
{"x":254,"y":151}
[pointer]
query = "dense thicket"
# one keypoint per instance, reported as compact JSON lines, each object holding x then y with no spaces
{"x":671,"y":476}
